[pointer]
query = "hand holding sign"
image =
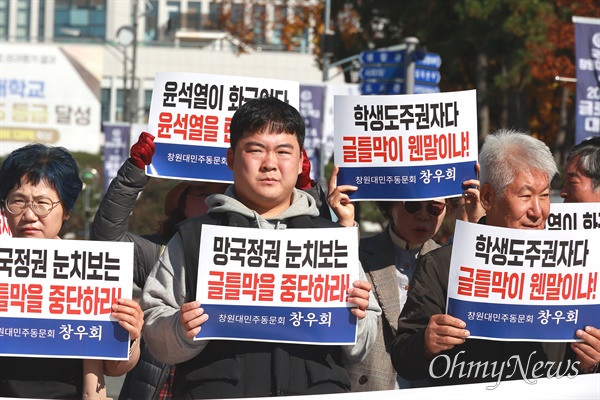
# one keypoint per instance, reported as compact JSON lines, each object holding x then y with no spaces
{"x":588,"y":351}
{"x":192,"y":317}
{"x":359,"y":295}
{"x":130,"y":316}
{"x":339,"y":201}
{"x":443,"y":332}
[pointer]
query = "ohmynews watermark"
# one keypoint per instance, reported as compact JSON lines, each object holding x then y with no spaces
{"x":530,"y":373}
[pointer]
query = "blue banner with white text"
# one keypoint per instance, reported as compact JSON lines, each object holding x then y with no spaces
{"x":587,"y":66}
{"x":31,"y":337}
{"x":407,"y":183}
{"x":313,"y":325}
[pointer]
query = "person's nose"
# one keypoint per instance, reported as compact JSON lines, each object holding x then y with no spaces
{"x":269,"y":161}
{"x":535,"y":209}
{"x":563,"y":192}
{"x":29,"y":215}
{"x":422,"y":213}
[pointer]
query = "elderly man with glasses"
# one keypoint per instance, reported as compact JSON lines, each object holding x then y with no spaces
{"x":516,"y":171}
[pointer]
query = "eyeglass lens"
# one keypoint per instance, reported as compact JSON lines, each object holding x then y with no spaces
{"x":433,"y":208}
{"x":41,"y":206}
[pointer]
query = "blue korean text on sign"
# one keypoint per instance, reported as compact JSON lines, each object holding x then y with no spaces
{"x":421,"y":89}
{"x":431,"y":60}
{"x":381,"y":73}
{"x":382,"y":57}
{"x":381,"y":88}
{"x":424,"y":75}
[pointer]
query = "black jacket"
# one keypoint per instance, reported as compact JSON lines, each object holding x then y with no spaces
{"x":427,"y":297}
{"x":233,"y":369}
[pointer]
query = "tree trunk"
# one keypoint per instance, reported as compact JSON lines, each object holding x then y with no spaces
{"x":504,"y":113}
{"x":483,"y":109}
{"x":560,"y":147}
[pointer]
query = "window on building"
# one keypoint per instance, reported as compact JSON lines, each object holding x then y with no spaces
{"x":147,"y":102}
{"x":41,"y":20}
{"x":4,"y":19}
{"x":259,"y":22}
{"x":193,"y":20}
{"x":23,"y":12}
{"x":105,"y":104}
{"x":302,"y":14}
{"x":80,"y":19}
{"x":174,"y":23}
{"x":279,"y":21}
{"x":151,"y":33}
{"x":215,"y":13}
{"x":120,"y":106}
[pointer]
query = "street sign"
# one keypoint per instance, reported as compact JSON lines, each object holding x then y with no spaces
{"x":382,"y":57}
{"x":431,"y":60}
{"x":382,"y":88}
{"x":420,"y":89}
{"x":381,"y":73}
{"x":423,"y":75}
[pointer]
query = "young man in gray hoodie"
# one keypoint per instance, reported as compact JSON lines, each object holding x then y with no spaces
{"x":267,"y":137}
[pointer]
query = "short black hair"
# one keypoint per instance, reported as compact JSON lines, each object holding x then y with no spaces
{"x":266,"y":113}
{"x":38,"y":162}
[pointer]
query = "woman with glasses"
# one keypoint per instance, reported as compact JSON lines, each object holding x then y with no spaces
{"x":389,"y":260}
{"x":39,"y":185}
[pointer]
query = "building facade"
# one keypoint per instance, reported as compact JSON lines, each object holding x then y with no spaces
{"x":117,"y":46}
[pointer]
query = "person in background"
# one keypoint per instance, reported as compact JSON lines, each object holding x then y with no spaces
{"x":582,"y":174}
{"x":152,"y":379}
{"x":516,"y":171}
{"x":265,"y":156}
{"x":389,"y":259}
{"x":39,"y":185}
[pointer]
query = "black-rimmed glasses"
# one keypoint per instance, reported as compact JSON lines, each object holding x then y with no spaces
{"x":433,"y":208}
{"x":41,"y":206}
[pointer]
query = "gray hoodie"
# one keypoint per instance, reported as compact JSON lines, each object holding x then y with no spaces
{"x":165,"y":291}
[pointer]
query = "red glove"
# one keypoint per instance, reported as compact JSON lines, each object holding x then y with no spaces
{"x":304,"y":182}
{"x":143,"y":150}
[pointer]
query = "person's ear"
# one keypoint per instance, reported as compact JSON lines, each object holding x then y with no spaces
{"x":487,"y":196}
{"x":230,"y":158}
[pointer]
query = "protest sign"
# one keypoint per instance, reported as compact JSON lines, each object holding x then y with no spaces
{"x":406,"y":147}
{"x":56,"y":298}
{"x":278,"y":285}
{"x":514,"y":284}
{"x":190,"y":116}
{"x":568,"y":216}
{"x":4,"y":228}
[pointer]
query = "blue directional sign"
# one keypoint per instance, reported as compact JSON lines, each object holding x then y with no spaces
{"x":381,"y":73}
{"x":420,"y":89}
{"x":431,"y":60}
{"x":382,"y":57}
{"x":431,"y":76}
{"x":382,"y":88}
